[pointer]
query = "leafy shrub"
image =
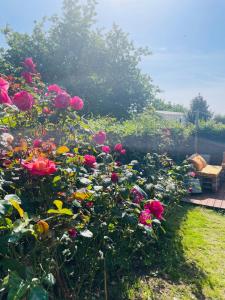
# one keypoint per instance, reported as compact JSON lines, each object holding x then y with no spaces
{"x":72,"y":214}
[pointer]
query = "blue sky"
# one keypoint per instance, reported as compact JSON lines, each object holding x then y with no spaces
{"x":186,"y":38}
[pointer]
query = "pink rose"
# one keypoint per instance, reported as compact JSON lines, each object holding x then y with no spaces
{"x":106,"y":149}
{"x":23,"y":100}
{"x":4,"y":97}
{"x":123,"y":151}
{"x":40,"y":166}
{"x":145,"y":218}
{"x":156,"y":208}
{"x":27,"y":77}
{"x":99,"y":137}
{"x":89,"y":160}
{"x":37,"y":143}
{"x":62,"y":100}
{"x":118,"y":147}
{"x":76,"y":103}
{"x":55,"y":88}
{"x":4,"y":85}
{"x":29,"y":64}
{"x":114,"y":177}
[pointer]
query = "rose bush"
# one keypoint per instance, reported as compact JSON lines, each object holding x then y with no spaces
{"x":72,"y":214}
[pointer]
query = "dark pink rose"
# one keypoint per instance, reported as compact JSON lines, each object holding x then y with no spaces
{"x":72,"y":232}
{"x":77,"y":103}
{"x":23,"y":100}
{"x":4,"y":85}
{"x":145,"y":218}
{"x":40,"y":166}
{"x":29,"y":64}
{"x":114,"y":177}
{"x":156,"y":208}
{"x":137,"y":196}
{"x":27,"y":77}
{"x":90,"y":204}
{"x":62,"y":100}
{"x":118,"y":147}
{"x":37,"y":143}
{"x":89,"y":160}
{"x":99,"y":137}
{"x":55,"y":88}
{"x":106,"y":149}
{"x":4,"y":97}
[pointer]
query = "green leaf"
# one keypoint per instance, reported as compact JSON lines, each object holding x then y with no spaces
{"x":60,"y":210}
{"x":12,"y":197}
{"x":38,"y":293}
{"x":58,"y":204}
{"x":17,"y":287}
{"x":56,"y":179}
{"x":49,"y":279}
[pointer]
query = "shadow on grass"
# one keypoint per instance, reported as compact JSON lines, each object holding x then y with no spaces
{"x":168,"y":262}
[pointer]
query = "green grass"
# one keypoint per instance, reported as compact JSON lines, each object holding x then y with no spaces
{"x":189,"y":261}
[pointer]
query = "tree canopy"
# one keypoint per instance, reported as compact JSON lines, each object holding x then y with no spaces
{"x":101,"y":66}
{"x":199,"y":108}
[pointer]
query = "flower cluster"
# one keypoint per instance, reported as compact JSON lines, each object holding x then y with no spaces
{"x":72,"y":182}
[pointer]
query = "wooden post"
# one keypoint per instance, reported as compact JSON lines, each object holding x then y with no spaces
{"x":196,"y":130}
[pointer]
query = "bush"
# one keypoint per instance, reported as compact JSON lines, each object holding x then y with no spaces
{"x":72,"y":214}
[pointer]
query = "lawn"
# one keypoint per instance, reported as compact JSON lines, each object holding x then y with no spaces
{"x":190,"y":262}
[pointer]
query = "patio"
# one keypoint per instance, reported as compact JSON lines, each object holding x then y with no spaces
{"x":207,"y":199}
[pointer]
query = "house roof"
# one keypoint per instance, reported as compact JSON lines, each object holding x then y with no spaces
{"x":171,"y":113}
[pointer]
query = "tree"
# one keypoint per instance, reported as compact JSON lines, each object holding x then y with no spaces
{"x":160,"y":104}
{"x":102,"y":67}
{"x":199,"y":109}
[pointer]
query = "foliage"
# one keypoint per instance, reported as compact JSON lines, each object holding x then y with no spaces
{"x":72,"y":215}
{"x":102,"y":67}
{"x":219,"y":119}
{"x":199,"y":109}
{"x":160,"y":104}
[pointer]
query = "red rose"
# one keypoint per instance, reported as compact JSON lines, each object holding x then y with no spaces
{"x":118,"y":147}
{"x":62,"y":100}
{"x":4,"y":97}
{"x":29,"y":64}
{"x":27,"y":77}
{"x":76,"y":103}
{"x":156,"y":208}
{"x":99,"y":137}
{"x":89,"y":160}
{"x":114,"y":177}
{"x":40,"y":166}
{"x":23,"y":100}
{"x":106,"y":149}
